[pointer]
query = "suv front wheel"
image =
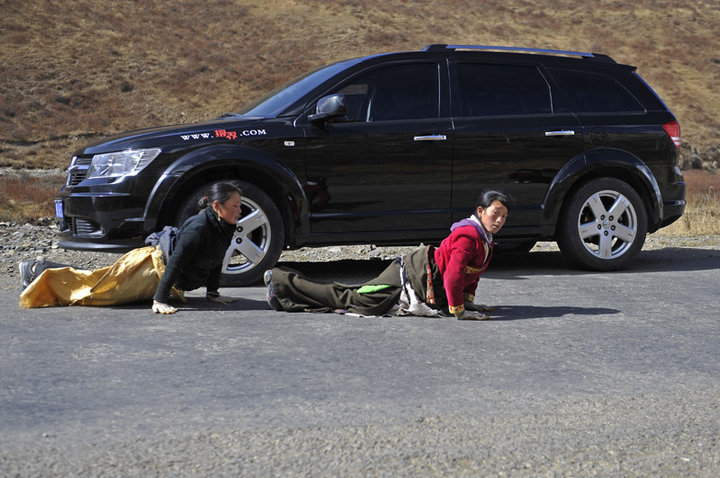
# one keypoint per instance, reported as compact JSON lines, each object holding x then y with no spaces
{"x":259,"y":235}
{"x":603,"y":225}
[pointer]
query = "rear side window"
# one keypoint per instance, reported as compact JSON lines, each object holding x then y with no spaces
{"x":493,"y":90}
{"x":396,"y":92}
{"x":596,"y":93}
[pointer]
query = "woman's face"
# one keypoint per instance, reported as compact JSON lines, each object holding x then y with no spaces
{"x":231,"y":210}
{"x":493,"y":217}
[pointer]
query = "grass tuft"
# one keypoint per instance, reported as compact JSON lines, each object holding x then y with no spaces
{"x":29,"y":199}
{"x":703,"y":205}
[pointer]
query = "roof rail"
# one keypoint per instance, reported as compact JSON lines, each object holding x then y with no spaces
{"x":442,"y":46}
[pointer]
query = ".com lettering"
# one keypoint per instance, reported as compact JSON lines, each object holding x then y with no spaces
{"x":223,"y":133}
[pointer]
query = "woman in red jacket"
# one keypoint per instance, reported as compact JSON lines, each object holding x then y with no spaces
{"x":428,"y":281}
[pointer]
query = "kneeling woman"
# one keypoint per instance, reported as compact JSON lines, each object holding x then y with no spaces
{"x":428,"y":281}
{"x":195,"y":259}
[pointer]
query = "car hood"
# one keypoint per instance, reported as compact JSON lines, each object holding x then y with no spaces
{"x":168,"y":135}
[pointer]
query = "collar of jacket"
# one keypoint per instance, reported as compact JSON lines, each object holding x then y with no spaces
{"x":222,"y":226}
{"x":474,"y":222}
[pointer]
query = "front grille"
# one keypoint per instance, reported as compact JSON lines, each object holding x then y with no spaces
{"x":77,"y":170}
{"x":83,"y":227}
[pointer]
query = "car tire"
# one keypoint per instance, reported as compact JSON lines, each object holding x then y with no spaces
{"x":259,"y":236}
{"x":603,"y":225}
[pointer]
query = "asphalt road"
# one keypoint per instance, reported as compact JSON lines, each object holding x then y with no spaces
{"x":578,"y":374}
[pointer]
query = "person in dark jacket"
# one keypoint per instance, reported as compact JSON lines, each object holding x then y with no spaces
{"x":191,"y":258}
{"x":428,"y":281}
{"x":201,"y":244}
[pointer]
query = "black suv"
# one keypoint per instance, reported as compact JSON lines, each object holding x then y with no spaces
{"x":392,"y":148}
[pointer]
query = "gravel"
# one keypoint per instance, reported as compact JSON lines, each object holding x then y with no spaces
{"x":19,"y":242}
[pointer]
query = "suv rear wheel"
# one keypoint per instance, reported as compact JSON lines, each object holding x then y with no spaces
{"x":603,"y":225}
{"x":259,"y":235}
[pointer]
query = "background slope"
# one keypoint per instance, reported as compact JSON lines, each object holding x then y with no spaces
{"x":74,"y":70}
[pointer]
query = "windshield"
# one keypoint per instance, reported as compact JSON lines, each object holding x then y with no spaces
{"x":285,"y":96}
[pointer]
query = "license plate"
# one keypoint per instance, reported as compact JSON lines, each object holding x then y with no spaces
{"x":58,"y":209}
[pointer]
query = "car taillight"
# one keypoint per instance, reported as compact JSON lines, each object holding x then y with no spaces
{"x":673,"y":130}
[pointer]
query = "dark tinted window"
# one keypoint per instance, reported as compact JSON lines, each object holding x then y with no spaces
{"x":489,"y":90}
{"x":283,"y":97}
{"x":596,"y":93}
{"x":398,"y":92}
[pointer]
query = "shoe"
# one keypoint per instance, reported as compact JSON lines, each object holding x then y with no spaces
{"x":30,"y":270}
{"x":272,"y":299}
{"x":26,"y":272}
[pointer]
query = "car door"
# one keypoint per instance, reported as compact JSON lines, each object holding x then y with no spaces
{"x":611,"y":115}
{"x":384,"y":170}
{"x":508,"y":135}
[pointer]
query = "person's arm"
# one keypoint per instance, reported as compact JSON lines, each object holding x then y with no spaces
{"x":470,"y":287}
{"x":460,"y":293}
{"x":187,"y":244}
{"x":472,"y":277}
{"x":462,"y":249}
{"x":213,"y":280}
{"x":213,"y":284}
{"x":477,"y":310}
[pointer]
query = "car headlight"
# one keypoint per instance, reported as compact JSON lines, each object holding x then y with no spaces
{"x":121,"y":163}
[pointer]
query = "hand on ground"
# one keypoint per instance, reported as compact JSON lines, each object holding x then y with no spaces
{"x":221,"y":299}
{"x":471,"y":315}
{"x":478,"y":307}
{"x":160,"y":308}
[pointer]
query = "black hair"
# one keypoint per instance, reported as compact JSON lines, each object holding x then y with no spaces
{"x":488,"y":196}
{"x":219,"y":192}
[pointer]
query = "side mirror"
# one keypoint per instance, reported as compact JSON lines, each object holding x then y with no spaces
{"x":329,"y":107}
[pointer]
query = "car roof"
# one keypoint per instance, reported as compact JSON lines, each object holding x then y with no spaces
{"x":505,"y":53}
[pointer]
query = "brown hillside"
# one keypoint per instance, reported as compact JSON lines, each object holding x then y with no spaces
{"x":72,"y":70}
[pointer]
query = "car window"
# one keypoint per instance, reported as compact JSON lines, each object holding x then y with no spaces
{"x":281,"y":98}
{"x":595,"y":93}
{"x":490,"y":90}
{"x":397,"y":92}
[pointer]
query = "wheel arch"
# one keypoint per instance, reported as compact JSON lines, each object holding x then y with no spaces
{"x":213,"y":163}
{"x":603,"y":163}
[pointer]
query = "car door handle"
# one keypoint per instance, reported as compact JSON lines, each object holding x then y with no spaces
{"x":431,"y":137}
{"x":562,"y":132}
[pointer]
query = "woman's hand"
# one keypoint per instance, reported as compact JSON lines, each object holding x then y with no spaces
{"x":470,"y":315}
{"x":160,"y":308}
{"x":219,"y":299}
{"x":478,"y":307}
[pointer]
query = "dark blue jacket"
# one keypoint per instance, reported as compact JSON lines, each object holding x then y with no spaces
{"x":197,"y":256}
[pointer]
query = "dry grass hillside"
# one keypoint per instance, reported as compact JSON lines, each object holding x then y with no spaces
{"x":73,"y":70}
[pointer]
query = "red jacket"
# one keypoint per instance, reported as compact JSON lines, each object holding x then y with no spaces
{"x":462,"y":258}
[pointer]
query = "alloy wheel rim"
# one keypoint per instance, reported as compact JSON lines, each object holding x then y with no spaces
{"x":607,"y":224}
{"x":251,"y":240}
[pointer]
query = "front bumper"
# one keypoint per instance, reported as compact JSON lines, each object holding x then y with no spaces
{"x":100,"y":221}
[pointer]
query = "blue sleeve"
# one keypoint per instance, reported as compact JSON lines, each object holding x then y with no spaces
{"x":188,"y":244}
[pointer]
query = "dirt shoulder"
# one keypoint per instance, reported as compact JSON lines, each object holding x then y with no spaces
{"x":19,"y":242}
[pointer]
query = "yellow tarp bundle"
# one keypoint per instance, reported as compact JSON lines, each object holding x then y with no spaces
{"x":134,"y":277}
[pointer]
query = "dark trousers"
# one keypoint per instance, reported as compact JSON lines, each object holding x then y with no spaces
{"x":298,"y":293}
